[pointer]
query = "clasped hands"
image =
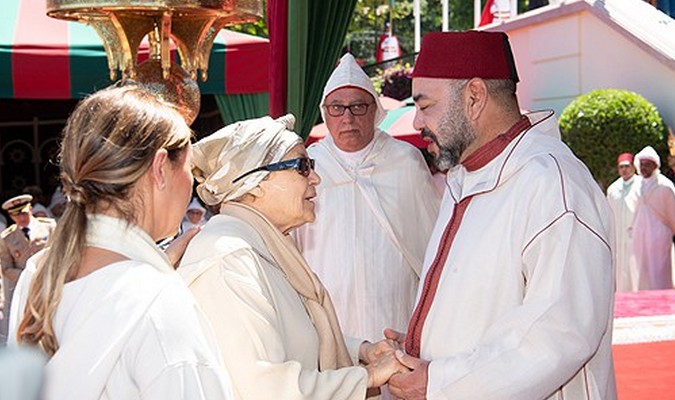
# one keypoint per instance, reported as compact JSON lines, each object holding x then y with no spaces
{"x":386,"y":362}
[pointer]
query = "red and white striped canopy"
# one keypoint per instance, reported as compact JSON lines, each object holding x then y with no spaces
{"x":47,"y":58}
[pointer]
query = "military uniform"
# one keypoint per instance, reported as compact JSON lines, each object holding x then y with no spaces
{"x":17,"y":244}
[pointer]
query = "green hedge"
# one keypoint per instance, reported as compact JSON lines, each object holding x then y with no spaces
{"x":604,"y":123}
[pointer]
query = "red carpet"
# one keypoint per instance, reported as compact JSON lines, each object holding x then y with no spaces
{"x":644,"y":345}
{"x":645,"y":370}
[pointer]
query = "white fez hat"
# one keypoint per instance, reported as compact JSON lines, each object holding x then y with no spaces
{"x":348,"y":73}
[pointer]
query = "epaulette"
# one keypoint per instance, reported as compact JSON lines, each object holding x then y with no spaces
{"x":45,"y":220}
{"x":8,"y":231}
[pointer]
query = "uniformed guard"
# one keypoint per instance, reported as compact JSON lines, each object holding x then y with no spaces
{"x":25,"y":237}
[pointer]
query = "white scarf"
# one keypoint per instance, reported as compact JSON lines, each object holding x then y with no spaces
{"x":127,"y":239}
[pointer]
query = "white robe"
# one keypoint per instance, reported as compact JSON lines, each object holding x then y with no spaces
{"x":653,"y":229}
{"x":623,"y":196}
{"x":132,"y":330}
{"x":268,"y":341}
{"x":374,"y":216}
{"x":147,"y":346}
{"x":524,"y":303}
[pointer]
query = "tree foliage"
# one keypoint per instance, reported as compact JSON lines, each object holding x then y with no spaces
{"x":257,"y":28}
{"x":604,"y":123}
{"x":370,"y":16}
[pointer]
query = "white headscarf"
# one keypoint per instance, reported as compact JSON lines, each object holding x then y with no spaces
{"x":57,"y":198}
{"x":648,"y":153}
{"x":37,"y":208}
{"x":223,"y":156}
{"x":196,"y":205}
{"x":349,"y":74}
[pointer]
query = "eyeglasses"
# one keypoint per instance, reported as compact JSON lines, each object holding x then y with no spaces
{"x":303,"y":165}
{"x":338,"y":110}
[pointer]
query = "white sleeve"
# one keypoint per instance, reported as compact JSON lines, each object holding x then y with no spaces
{"x":172,"y":353}
{"x":535,"y":348}
{"x":188,"y":381}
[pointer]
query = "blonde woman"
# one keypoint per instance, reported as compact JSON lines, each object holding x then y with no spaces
{"x":274,"y":320}
{"x":105,"y":305}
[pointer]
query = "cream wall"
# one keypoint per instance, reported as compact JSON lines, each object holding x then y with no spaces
{"x":561,"y":58}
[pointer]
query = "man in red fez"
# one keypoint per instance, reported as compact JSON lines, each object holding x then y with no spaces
{"x":516,"y":292}
{"x":623,"y":195}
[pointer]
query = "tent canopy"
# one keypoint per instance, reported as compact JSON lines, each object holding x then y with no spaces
{"x":46,"y":58}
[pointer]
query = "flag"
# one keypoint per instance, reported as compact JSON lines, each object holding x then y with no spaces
{"x":495,"y":9}
{"x":387,"y":48}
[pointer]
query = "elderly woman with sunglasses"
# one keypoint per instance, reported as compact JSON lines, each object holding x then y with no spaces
{"x":273,"y":319}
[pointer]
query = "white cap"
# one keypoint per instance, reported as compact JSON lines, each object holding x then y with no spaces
{"x":196,"y":205}
{"x":348,"y":73}
{"x":39,"y":208}
{"x":57,"y":198}
{"x":648,"y":153}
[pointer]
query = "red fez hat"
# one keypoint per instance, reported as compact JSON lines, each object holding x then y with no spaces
{"x":466,"y":55}
{"x":624,"y":158}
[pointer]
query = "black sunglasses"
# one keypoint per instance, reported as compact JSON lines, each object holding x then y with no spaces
{"x":303,"y":165}
{"x":338,"y":110}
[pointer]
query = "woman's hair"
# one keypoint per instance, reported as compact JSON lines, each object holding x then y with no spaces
{"x":108,"y":144}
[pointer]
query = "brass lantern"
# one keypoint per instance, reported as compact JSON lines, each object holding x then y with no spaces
{"x":191,"y":24}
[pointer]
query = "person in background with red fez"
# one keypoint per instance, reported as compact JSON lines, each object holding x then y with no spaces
{"x":654,"y":223}
{"x":622,"y":195}
{"x":517,"y":287}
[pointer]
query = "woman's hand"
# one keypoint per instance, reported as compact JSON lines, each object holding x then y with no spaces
{"x":381,"y":369}
{"x":178,"y":246}
{"x":371,"y":352}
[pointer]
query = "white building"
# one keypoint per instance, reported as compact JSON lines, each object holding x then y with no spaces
{"x":570,"y":48}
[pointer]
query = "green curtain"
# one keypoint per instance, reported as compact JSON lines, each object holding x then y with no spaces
{"x":237,"y":107}
{"x":316,"y":32}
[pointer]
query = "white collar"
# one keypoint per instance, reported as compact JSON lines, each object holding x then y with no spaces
{"x":127,"y":239}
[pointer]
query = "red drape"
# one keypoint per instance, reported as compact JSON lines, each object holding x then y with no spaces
{"x":35,"y":81}
{"x":277,"y":23}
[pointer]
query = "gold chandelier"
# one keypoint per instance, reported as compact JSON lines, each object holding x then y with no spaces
{"x":192,"y":25}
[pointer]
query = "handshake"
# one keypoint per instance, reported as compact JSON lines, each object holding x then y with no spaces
{"x":386,"y":362}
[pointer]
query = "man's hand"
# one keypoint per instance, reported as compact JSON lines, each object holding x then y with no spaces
{"x":177,"y":247}
{"x":412,"y":384}
{"x":396,"y":336}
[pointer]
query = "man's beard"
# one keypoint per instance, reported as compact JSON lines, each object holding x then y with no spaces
{"x":453,"y":137}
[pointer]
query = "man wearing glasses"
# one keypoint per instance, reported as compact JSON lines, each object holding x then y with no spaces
{"x":622,"y":195}
{"x":375,"y":209}
{"x":18,"y":242}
